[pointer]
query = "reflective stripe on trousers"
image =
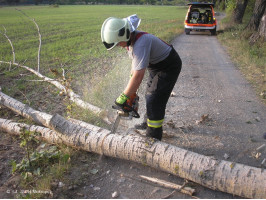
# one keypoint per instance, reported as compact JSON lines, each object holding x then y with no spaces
{"x":155,"y":123}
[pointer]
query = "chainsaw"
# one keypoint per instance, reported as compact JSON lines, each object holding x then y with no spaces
{"x":129,"y":110}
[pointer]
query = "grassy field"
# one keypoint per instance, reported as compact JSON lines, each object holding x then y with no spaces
{"x":72,"y":33}
{"x":71,"y":38}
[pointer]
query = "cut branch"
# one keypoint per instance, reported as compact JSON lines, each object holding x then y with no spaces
{"x":10,"y":42}
{"x":40,"y":38}
{"x":186,"y":190}
{"x":72,"y":96}
{"x":233,"y":178}
{"x":40,"y":44}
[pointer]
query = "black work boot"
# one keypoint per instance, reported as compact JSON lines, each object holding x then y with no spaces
{"x":154,"y":133}
{"x":141,"y":126}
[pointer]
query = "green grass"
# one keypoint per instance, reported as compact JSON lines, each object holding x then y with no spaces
{"x":72,"y":33}
{"x":71,"y":38}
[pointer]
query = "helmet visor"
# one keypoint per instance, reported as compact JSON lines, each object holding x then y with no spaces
{"x":108,"y":46}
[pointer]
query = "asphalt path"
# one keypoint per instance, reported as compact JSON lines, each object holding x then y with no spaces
{"x":210,"y":84}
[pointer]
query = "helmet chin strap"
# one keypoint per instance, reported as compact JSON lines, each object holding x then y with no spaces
{"x":129,"y":42}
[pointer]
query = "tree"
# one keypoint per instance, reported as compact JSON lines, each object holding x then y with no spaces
{"x":256,"y":17}
{"x":239,"y":11}
{"x":257,"y":22}
{"x":261,"y":33}
{"x":262,"y":26}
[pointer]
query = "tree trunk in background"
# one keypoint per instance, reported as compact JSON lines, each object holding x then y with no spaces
{"x":256,"y":17}
{"x":261,"y":33}
{"x":239,"y":11}
{"x":262,"y":26}
{"x":226,"y":176}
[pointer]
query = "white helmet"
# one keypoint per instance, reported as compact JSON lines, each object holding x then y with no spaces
{"x":115,"y":30}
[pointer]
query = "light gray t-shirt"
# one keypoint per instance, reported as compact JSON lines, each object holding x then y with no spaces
{"x":148,"y":49}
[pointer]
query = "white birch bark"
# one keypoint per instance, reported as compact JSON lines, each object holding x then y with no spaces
{"x":225,"y":176}
{"x":45,"y":134}
{"x":40,"y":118}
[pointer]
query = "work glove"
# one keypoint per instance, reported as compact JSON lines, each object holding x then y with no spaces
{"x":121,"y":100}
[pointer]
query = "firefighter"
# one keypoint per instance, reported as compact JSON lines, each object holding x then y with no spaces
{"x":148,"y":52}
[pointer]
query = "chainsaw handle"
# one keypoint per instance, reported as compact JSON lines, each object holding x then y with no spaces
{"x":135,"y":113}
{"x":127,"y":108}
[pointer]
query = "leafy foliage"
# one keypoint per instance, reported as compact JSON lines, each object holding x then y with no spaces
{"x":36,"y":161}
{"x":39,"y":161}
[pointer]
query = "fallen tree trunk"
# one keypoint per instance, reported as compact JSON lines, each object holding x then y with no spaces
{"x":45,"y":134}
{"x":230,"y":177}
{"x":40,"y":118}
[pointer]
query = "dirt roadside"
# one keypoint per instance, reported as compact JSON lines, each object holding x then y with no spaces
{"x":209,"y":85}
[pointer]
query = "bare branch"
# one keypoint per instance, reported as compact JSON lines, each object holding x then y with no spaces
{"x":33,"y":80}
{"x":40,"y":38}
{"x":73,"y":96}
{"x":179,"y":188}
{"x":40,"y":44}
{"x":24,"y":96}
{"x":63,"y":74}
{"x":54,"y":82}
{"x":10,"y":42}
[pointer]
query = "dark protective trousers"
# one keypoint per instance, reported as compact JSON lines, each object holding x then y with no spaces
{"x":162,"y":79}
